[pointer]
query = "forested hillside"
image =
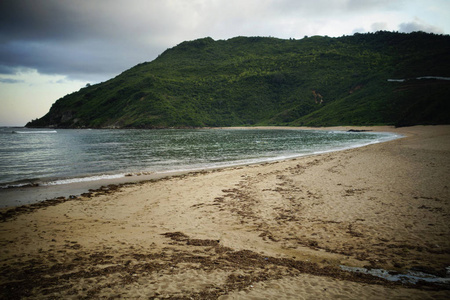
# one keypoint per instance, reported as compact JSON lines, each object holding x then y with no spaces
{"x":315,"y":81}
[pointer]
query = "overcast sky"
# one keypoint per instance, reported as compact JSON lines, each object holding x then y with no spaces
{"x":49,"y":48}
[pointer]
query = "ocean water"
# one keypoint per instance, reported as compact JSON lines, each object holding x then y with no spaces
{"x":45,"y":157}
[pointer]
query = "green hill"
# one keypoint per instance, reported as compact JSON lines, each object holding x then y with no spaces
{"x":315,"y":81}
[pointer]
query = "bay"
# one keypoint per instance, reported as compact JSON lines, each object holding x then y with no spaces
{"x":45,"y":157}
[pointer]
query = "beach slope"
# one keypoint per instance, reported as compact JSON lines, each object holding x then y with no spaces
{"x":276,"y":230}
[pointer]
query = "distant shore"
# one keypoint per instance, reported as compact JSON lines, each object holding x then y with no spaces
{"x":272,"y":230}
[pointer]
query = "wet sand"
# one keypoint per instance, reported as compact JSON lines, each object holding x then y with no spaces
{"x":269,"y":231}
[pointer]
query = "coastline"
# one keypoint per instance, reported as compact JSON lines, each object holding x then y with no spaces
{"x":34,"y":191}
{"x":278,"y":229}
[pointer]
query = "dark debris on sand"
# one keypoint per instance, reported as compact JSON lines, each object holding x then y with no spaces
{"x":245,"y":267}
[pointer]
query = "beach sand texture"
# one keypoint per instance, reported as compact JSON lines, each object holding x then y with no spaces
{"x":268,"y":231}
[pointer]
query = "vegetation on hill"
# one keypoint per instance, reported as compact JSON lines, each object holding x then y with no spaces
{"x":315,"y":81}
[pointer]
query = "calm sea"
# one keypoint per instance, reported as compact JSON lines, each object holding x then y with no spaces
{"x":37,"y":156}
{"x":47,"y":157}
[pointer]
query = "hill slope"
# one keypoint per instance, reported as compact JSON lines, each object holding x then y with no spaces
{"x":315,"y":81}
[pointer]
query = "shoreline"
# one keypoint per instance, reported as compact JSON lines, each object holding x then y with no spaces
{"x":33,"y":193}
{"x":279,"y":229}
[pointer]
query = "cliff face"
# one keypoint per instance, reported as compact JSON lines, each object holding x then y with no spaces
{"x":315,"y":81}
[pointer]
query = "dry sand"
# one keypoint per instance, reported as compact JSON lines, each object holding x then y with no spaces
{"x":271,"y":231}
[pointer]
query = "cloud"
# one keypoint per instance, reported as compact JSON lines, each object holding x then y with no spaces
{"x":91,"y":39}
{"x":95,"y":40}
{"x":10,"y":80}
{"x":379,"y":26}
{"x":419,"y":25}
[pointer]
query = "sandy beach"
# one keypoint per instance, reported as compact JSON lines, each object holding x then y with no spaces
{"x":278,"y":230}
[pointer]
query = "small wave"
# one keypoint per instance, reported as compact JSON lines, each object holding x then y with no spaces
{"x":18,"y":185}
{"x":383,"y":137}
{"x":83,"y":179}
{"x":32,"y":132}
{"x":419,"y":78}
{"x":94,"y":178}
{"x":434,"y":77}
{"x":41,"y":182}
{"x":396,"y":80}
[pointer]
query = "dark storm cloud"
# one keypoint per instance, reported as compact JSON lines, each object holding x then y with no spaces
{"x":77,"y":38}
{"x":37,"y":20}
